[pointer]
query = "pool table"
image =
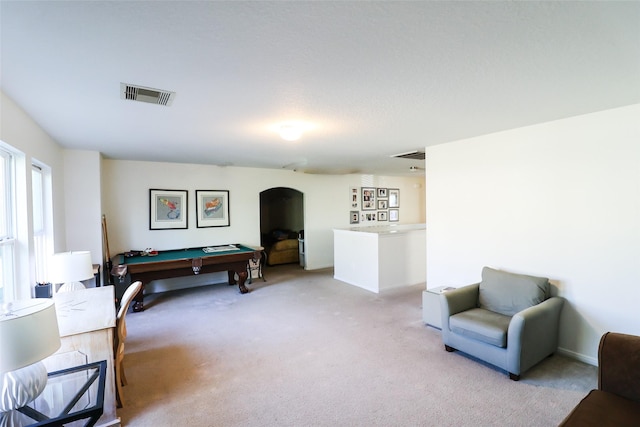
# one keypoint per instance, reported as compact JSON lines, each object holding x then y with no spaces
{"x":185,"y":262}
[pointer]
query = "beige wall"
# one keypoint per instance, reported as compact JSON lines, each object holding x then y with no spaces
{"x":20,"y":132}
{"x":75,"y":179}
{"x":560,"y":199}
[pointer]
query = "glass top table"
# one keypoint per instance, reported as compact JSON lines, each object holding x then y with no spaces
{"x":72,"y":397}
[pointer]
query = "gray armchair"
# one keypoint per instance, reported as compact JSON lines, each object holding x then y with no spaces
{"x":508,"y":320}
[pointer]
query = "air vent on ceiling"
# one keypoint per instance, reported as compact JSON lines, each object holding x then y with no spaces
{"x":146,"y":94}
{"x":411,"y":155}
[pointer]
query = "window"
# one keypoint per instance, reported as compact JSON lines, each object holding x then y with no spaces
{"x":7,"y":228}
{"x":42,"y":241}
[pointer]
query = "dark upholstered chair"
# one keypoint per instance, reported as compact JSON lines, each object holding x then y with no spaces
{"x":508,"y":320}
{"x":616,"y":402}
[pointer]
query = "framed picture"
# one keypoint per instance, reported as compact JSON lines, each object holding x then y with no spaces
{"x":382,"y":216}
{"x":355,"y":217}
{"x":394,"y":215}
{"x":394,"y":198}
{"x":354,"y":198}
{"x":167,"y":209}
{"x":382,"y":193}
{"x":382,"y":204}
{"x":368,"y":199}
{"x":212,"y":208}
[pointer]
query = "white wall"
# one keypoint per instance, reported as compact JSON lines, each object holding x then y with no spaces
{"x":561,"y":200}
{"x":83,"y":207}
{"x":75,"y":179}
{"x":19,"y":131}
{"x":126,"y":187}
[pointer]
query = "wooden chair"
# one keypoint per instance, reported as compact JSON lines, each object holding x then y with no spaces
{"x":121,"y":336}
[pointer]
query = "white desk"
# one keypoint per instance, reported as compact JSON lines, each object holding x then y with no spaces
{"x":86,"y":320}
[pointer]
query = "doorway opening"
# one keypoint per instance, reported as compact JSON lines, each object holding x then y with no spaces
{"x":282,"y":225}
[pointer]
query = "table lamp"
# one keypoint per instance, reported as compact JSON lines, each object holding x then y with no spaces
{"x":28,"y":334}
{"x":71,"y":268}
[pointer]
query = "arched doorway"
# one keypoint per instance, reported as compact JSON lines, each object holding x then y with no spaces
{"x":282,"y":225}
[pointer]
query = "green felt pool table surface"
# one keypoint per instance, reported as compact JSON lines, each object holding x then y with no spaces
{"x":186,"y":262}
{"x":177,"y":254}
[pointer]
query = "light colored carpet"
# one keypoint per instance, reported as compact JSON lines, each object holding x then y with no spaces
{"x":304,"y":349}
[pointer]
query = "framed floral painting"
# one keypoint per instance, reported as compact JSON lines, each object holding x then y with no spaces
{"x":212,"y":208}
{"x":167,"y":209}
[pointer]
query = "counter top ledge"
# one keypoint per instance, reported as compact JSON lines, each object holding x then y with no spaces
{"x":385,"y":229}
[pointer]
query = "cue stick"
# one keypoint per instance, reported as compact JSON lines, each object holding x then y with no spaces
{"x":105,"y":238}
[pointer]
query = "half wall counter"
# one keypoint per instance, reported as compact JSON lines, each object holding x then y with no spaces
{"x":380,"y":257}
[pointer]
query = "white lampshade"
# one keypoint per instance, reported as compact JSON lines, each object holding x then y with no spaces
{"x":71,"y":267}
{"x":28,"y":333}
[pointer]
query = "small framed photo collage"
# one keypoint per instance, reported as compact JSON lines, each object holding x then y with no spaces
{"x":374,"y":205}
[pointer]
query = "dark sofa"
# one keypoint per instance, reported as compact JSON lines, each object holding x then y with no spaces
{"x":616,"y":402}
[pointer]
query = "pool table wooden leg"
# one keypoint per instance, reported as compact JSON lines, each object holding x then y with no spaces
{"x":242,"y":278}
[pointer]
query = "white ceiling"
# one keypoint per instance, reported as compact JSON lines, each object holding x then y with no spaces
{"x":372,"y":79}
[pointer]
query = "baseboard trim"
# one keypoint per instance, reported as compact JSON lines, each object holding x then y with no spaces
{"x":361,"y":286}
{"x":578,"y":356}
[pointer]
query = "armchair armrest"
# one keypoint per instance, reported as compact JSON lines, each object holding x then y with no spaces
{"x":619,"y":365}
{"x":533,"y":334}
{"x":458,"y":300}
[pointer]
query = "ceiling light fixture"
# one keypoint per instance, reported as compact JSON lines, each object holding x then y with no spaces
{"x":290,"y":132}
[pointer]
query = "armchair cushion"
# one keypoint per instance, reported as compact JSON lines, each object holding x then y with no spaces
{"x":508,"y":293}
{"x":600,"y":409}
{"x":482,"y":325}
